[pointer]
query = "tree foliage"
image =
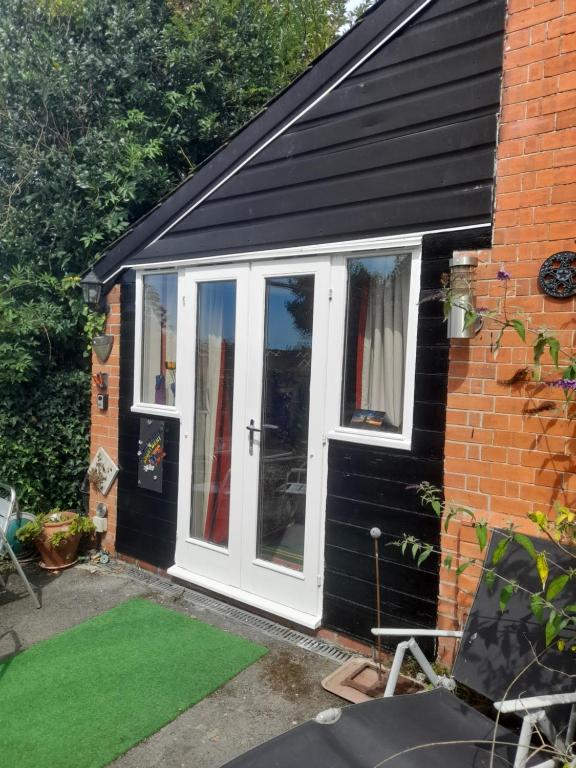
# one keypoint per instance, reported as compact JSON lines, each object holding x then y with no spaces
{"x":105,"y":105}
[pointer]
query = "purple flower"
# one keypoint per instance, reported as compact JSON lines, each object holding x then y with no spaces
{"x":503,"y":275}
{"x":568,"y":385}
{"x":482,"y":310}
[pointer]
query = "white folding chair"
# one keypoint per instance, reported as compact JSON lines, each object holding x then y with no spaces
{"x":8,"y":507}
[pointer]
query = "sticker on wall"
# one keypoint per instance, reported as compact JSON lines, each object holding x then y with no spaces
{"x":151,"y":455}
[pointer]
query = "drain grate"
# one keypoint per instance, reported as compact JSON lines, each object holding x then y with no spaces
{"x":200,"y":600}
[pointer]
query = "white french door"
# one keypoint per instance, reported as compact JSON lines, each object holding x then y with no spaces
{"x":252,"y":368}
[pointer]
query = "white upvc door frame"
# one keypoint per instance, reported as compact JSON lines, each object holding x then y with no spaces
{"x":235,"y":571}
{"x":231,"y":571}
{"x":212,"y":562}
{"x":293,"y":591}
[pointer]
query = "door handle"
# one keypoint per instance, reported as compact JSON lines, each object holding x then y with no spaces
{"x":251,"y":429}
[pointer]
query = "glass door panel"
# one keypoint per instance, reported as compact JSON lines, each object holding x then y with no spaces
{"x":283,"y":437}
{"x":212,"y":348}
{"x":289,"y":309}
{"x":213,"y":410}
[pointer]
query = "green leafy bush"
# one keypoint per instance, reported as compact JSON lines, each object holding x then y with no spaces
{"x":105,"y":106}
{"x":44,"y":439}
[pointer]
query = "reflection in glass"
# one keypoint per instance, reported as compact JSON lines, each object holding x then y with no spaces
{"x":376,"y":326}
{"x":284,"y":421}
{"x":159,"y":314}
{"x":212,"y":448}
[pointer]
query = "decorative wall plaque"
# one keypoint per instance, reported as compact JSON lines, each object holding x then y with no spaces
{"x":557,"y":276}
{"x":151,"y":455}
{"x":102,"y":471}
{"x":102,"y":346}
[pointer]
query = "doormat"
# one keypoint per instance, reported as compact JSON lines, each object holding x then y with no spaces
{"x":86,"y":696}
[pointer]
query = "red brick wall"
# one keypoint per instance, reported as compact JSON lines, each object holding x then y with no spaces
{"x":104,"y":432}
{"x":501,"y":461}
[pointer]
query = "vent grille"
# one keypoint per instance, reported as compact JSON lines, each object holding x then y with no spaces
{"x":199,"y":600}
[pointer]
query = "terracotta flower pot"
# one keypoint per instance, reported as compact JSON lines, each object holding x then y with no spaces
{"x":63,"y":556}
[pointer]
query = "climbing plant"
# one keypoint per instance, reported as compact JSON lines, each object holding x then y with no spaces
{"x":557,"y":525}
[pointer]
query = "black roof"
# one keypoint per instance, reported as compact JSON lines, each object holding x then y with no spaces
{"x":374,"y":25}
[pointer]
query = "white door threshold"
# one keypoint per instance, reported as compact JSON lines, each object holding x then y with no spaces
{"x":247,"y":598}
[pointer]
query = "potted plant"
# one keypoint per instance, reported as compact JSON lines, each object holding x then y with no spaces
{"x":56,"y":534}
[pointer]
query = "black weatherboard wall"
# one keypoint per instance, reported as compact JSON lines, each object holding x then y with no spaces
{"x":404,"y":144}
{"x":146,"y":520}
{"x":413,"y":133}
{"x":370,"y":486}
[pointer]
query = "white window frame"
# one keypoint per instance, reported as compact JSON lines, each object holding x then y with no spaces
{"x":340,"y":254}
{"x":138,"y":406}
{"x":337,"y":348}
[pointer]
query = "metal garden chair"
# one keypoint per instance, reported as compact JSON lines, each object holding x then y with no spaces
{"x":502,"y":656}
{"x":8,"y":506}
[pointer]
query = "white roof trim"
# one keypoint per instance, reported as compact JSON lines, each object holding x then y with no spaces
{"x":347,"y":246}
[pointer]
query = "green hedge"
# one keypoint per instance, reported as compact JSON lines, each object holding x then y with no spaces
{"x":44,"y":431}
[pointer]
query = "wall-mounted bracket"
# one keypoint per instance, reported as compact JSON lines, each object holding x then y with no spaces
{"x":462,"y":268}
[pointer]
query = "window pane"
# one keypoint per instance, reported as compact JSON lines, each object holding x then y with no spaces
{"x":285,"y":410}
{"x":376,"y":324}
{"x":159,"y":311}
{"x":212,"y":451}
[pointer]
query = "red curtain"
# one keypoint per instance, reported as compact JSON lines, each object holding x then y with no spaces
{"x":218,"y":512}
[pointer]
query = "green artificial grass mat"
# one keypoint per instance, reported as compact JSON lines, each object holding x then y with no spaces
{"x":84,"y":697}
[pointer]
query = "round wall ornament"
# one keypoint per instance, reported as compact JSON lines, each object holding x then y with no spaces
{"x":557,"y":276}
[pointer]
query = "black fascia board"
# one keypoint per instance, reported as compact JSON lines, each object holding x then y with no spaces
{"x":375,"y":24}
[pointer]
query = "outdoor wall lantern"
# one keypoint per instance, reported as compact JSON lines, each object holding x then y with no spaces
{"x":102,"y":344}
{"x":92,"y":291}
{"x":462,"y":268}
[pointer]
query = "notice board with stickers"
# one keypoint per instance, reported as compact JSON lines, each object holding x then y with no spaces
{"x":151,"y":454}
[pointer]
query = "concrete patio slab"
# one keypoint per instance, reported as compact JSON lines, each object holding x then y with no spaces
{"x":275,"y":694}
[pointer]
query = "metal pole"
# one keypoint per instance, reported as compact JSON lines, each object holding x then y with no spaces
{"x":376,"y":533}
{"x":19,"y":570}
